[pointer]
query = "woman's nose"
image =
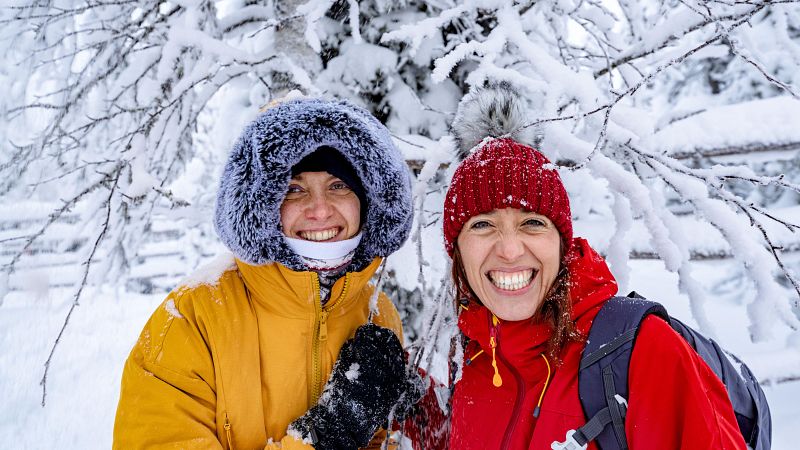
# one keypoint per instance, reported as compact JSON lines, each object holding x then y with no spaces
{"x":319,"y":207}
{"x":510,"y":247}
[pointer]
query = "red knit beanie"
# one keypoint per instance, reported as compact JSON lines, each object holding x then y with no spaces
{"x":505,"y":174}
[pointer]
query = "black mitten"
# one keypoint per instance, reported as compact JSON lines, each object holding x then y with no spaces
{"x":366,"y":382}
{"x":414,"y":388}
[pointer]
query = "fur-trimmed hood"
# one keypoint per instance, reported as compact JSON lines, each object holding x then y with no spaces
{"x":257,"y":174}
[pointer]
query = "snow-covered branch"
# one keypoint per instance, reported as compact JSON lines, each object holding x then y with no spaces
{"x":602,"y":122}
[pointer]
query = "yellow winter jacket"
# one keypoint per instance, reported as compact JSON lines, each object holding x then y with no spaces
{"x":230,"y":364}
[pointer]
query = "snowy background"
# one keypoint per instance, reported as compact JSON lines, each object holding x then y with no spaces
{"x":675,"y":125}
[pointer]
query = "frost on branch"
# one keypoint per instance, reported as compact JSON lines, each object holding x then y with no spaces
{"x":615,"y":86}
{"x":102,"y":117}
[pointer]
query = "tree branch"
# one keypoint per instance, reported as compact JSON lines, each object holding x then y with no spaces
{"x":114,"y":178}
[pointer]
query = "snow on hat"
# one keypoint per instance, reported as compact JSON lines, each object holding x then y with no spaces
{"x":502,"y":172}
{"x":259,"y":167}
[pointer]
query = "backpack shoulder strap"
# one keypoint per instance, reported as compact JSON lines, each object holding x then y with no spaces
{"x":603,"y":373}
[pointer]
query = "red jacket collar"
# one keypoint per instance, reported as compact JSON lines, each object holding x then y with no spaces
{"x":591,"y":284}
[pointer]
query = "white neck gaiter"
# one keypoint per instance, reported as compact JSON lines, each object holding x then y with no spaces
{"x":328,"y":259}
{"x":324,"y":255}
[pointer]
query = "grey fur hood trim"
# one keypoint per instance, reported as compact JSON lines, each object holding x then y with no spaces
{"x":496,"y":111}
{"x":257,"y":174}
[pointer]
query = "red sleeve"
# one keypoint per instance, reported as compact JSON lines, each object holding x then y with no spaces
{"x":676,"y":401}
{"x":427,"y":426}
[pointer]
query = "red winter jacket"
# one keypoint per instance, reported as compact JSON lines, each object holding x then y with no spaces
{"x":676,"y":401}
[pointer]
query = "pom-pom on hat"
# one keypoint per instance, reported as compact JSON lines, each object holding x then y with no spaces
{"x":501,"y":172}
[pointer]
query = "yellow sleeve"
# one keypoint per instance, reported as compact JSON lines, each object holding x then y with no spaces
{"x":167,"y":397}
{"x":388,"y":317}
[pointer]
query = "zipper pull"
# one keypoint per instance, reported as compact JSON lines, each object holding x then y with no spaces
{"x":323,"y":326}
{"x":497,"y":380}
{"x":227,"y":427}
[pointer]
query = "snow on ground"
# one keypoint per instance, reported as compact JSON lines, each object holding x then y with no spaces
{"x":84,"y":376}
{"x":83,"y":384}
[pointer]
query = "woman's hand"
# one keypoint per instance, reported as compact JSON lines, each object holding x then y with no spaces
{"x":366,"y":382}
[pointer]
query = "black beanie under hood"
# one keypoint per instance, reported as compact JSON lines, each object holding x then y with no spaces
{"x":328,"y":159}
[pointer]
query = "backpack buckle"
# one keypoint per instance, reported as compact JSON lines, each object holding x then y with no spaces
{"x":569,"y":444}
{"x":622,"y":403}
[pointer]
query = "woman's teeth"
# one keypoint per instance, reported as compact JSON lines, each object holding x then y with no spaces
{"x":322,"y":235}
{"x":511,"y":281}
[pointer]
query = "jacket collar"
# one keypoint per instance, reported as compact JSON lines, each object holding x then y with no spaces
{"x":591,"y":284}
{"x":292,"y":293}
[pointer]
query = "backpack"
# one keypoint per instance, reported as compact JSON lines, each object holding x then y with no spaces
{"x":603,"y":377}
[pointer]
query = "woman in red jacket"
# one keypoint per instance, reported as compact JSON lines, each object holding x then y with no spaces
{"x":528,"y":292}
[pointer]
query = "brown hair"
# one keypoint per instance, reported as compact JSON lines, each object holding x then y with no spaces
{"x":555,"y":310}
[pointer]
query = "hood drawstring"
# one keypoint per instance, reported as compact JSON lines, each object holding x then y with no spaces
{"x":469,"y":360}
{"x":538,"y":408}
{"x":497,"y":380}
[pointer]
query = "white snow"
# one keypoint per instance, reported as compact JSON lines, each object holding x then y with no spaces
{"x":169,"y":305}
{"x":423,"y":30}
{"x":211,"y":272}
{"x":222,"y":63}
{"x":353,"y":372}
{"x":765,"y":121}
{"x":313,"y":11}
{"x":104,"y":327}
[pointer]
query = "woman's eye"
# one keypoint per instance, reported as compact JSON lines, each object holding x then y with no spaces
{"x":294,"y":189}
{"x":339,"y":185}
{"x":480,"y":225}
{"x":535,"y":223}
{"x":340,"y":188}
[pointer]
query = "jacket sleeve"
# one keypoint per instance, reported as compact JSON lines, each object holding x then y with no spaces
{"x":676,"y":401}
{"x":167,"y":397}
{"x":427,"y":425}
{"x":388,"y":317}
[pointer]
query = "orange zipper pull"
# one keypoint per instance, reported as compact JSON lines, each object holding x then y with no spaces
{"x":497,"y":380}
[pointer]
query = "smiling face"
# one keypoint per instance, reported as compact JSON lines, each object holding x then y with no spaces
{"x":511,"y":258}
{"x":320,"y":207}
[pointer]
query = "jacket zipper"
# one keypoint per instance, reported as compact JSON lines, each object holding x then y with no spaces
{"x":512,"y":424}
{"x":321,"y":335}
{"x":227,"y":427}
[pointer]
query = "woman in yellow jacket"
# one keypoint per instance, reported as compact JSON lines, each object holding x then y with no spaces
{"x":314,"y":194}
